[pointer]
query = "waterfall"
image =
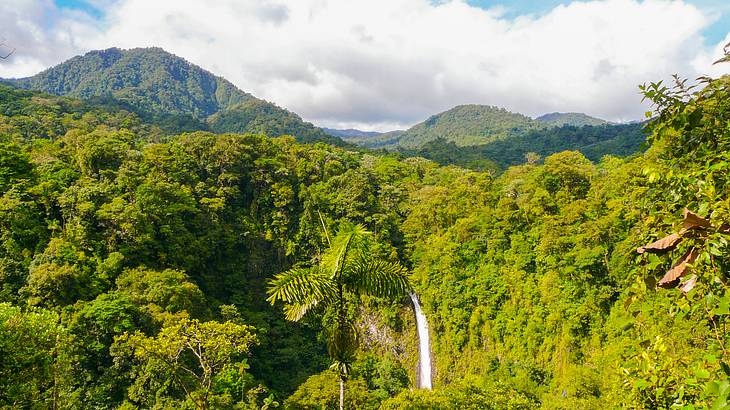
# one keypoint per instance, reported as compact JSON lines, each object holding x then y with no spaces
{"x":424,"y":346}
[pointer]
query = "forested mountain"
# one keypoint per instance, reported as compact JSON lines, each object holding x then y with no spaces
{"x":157,"y":85}
{"x":489,"y":138}
{"x":140,"y":269}
{"x":150,"y":79}
{"x":463,"y":125}
{"x":576,"y":119}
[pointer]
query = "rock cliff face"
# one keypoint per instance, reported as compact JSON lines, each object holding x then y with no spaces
{"x":396,"y":338}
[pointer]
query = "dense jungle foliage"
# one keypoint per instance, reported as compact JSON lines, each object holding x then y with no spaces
{"x":593,"y":142}
{"x":536,"y":280}
{"x":134,"y":267}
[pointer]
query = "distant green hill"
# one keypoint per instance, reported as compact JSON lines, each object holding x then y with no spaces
{"x":464,"y":125}
{"x":156,"y":84}
{"x":388,"y":140}
{"x":472,"y":125}
{"x":484,"y":137}
{"x":576,"y":119}
{"x":351,"y":133}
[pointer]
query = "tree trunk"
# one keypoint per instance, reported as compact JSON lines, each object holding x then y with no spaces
{"x":55,"y":368}
{"x":342,"y":393}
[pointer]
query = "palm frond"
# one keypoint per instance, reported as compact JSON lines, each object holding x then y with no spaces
{"x":377,"y":278}
{"x":350,"y":237}
{"x":303,"y":286}
{"x":296,"y":311}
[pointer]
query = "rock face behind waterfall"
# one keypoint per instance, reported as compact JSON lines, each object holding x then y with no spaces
{"x":424,"y":346}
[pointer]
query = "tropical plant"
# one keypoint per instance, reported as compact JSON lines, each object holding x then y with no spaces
{"x":191,"y":356}
{"x":345,"y":271}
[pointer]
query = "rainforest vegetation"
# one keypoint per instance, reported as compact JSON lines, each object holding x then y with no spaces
{"x":593,"y":142}
{"x":142,"y":266}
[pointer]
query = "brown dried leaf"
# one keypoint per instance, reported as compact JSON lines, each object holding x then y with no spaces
{"x":694,"y":221}
{"x":679,"y":269}
{"x":688,"y":284}
{"x":662,"y":245}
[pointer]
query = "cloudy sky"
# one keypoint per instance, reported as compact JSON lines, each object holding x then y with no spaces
{"x":386,"y":64}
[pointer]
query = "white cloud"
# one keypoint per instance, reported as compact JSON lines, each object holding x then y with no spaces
{"x":42,"y":35}
{"x":386,"y":63}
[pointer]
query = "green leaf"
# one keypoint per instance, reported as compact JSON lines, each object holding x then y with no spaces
{"x":722,"y":309}
{"x":702,"y":374}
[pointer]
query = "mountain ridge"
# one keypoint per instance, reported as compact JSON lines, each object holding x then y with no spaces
{"x":577,"y":119}
{"x":168,"y":90}
{"x":154,"y":82}
{"x":467,"y":124}
{"x":478,"y":126}
{"x":207,"y":93}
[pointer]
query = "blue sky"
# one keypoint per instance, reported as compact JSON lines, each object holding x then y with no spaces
{"x":83,"y":5}
{"x":715,"y":33}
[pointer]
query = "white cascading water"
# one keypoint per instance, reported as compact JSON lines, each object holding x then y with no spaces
{"x":424,"y":346}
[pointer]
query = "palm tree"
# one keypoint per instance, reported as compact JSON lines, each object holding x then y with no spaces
{"x":346,"y":270}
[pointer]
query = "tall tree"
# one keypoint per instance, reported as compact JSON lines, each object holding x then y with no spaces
{"x":346,"y":270}
{"x":189,"y":355}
